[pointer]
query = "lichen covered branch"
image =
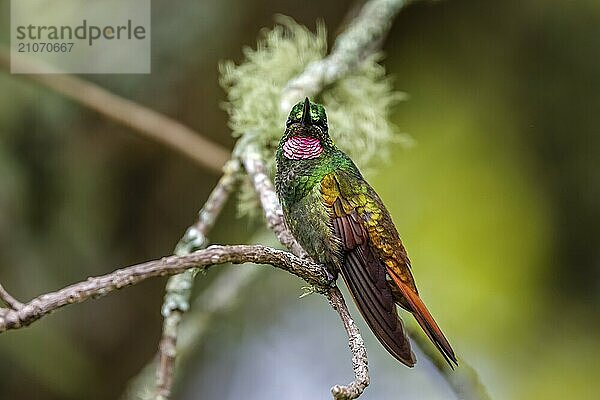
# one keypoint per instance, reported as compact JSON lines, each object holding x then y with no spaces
{"x":179,"y":287}
{"x":362,"y":36}
{"x":221,"y":296}
{"x":257,"y":171}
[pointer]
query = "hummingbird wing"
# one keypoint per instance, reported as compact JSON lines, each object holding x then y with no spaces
{"x":375,"y":266}
{"x":364,"y":273}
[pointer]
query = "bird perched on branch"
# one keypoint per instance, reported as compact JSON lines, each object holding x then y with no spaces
{"x":341,"y":222}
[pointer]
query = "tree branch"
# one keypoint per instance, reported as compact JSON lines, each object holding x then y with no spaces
{"x":361,"y":37}
{"x":143,"y":120}
{"x":360,"y":364}
{"x":257,"y":171}
{"x":179,"y":287}
{"x":9,"y":300}
{"x":96,"y":287}
{"x":220,"y":297}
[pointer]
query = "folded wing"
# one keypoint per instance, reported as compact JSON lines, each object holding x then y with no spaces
{"x":375,"y":266}
{"x":365,"y":276}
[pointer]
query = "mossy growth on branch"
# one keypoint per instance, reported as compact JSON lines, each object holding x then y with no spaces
{"x":358,"y":105}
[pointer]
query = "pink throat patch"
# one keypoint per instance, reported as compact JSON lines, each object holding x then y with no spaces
{"x":302,"y":148}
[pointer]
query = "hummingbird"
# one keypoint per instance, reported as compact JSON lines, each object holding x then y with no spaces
{"x":341,"y":222}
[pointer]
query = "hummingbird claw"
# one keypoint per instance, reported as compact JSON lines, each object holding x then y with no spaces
{"x":331,"y":277}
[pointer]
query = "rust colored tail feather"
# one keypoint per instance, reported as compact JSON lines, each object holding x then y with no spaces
{"x":375,"y":302}
{"x":425,"y":320}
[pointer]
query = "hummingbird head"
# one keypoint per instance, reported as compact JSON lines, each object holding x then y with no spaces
{"x":306,"y":134}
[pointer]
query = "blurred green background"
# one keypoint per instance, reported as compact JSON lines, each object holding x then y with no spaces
{"x":497,"y":204}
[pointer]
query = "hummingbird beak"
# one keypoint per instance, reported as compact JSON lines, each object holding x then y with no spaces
{"x":306,"y":112}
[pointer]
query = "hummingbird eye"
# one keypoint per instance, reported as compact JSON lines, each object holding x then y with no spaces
{"x":322,"y":125}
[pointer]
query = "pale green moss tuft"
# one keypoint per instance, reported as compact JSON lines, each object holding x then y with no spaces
{"x":358,"y":106}
{"x":254,"y":87}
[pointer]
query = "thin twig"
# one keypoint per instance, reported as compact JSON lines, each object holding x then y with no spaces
{"x":220,"y":297}
{"x":361,"y":36}
{"x":179,"y":287}
{"x":256,"y":169}
{"x":143,"y":120}
{"x":96,"y":287}
{"x":356,"y":343}
{"x":9,"y":300}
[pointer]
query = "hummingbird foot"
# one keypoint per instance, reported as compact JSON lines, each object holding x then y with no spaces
{"x":331,"y":276}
